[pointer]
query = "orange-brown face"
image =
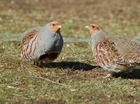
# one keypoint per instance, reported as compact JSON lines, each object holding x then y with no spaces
{"x":54,"y":26}
{"x":93,"y":28}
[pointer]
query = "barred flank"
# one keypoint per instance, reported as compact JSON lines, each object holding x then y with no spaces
{"x":28,"y":44}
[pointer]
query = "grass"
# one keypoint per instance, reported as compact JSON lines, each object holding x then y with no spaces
{"x":74,"y":77}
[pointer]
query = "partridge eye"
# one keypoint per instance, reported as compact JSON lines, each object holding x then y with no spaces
{"x":53,"y":24}
{"x":93,"y":26}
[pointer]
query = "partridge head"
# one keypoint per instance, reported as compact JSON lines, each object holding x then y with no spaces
{"x":114,"y":54}
{"x":42,"y":43}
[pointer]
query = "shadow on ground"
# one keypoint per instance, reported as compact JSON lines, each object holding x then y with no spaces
{"x":70,"y":65}
{"x":135,"y":74}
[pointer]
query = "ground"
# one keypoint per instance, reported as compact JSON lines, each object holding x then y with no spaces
{"x":75,"y":77}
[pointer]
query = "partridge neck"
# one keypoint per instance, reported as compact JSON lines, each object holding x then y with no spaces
{"x":97,"y":37}
{"x":46,"y":33}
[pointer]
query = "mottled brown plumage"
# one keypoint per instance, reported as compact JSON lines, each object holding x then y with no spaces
{"x":114,"y":54}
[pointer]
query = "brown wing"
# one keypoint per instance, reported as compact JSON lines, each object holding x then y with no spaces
{"x":128,"y":50}
{"x":106,"y":53}
{"x":27,"y":35}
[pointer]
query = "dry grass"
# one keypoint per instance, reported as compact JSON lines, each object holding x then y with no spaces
{"x":73,"y":77}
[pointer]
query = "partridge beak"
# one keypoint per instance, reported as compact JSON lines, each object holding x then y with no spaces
{"x":59,"y":26}
{"x":87,"y":27}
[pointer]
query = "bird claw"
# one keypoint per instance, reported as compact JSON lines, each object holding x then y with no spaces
{"x":105,"y":77}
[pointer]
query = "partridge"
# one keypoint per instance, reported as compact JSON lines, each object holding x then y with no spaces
{"x":114,"y":54}
{"x":42,"y":43}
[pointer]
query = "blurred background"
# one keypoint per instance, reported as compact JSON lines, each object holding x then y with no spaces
{"x":117,"y":17}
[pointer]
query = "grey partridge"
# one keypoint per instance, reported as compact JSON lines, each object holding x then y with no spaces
{"x":42,"y":43}
{"x":114,"y":54}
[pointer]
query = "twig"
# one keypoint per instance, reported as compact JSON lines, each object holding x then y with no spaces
{"x":64,"y":85}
